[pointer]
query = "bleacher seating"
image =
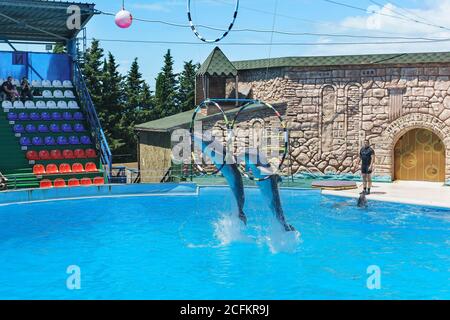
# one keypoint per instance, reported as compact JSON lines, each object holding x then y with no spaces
{"x":54,"y":136}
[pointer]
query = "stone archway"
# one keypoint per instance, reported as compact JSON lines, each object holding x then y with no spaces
{"x":386,"y":142}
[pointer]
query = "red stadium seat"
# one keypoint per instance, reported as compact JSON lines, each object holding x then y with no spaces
{"x":56,"y":155}
{"x":68,"y":154}
{"x":74,"y":182}
{"x":91,"y":167}
{"x":77,"y":168}
{"x":64,"y":168}
{"x":32,"y":155}
{"x":90,"y":153}
{"x":59,"y":183}
{"x":45,"y":183}
{"x":38,"y":169}
{"x":86,"y":182}
{"x":79,"y":154}
{"x":44,"y":155}
{"x":51,"y":169}
{"x":99,"y":180}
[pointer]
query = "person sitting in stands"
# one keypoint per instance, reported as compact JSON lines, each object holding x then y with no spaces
{"x":3,"y":181}
{"x":27,"y":91}
{"x":9,"y":90}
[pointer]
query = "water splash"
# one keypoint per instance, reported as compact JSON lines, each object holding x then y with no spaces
{"x":280,"y":241}
{"x":229,"y":228}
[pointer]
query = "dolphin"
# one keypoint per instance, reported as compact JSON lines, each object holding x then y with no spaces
{"x":269,"y":187}
{"x":260,"y":168}
{"x":214,"y":150}
{"x":362,"y":200}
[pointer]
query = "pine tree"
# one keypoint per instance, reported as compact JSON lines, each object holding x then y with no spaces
{"x":166,"y":100}
{"x":111,"y":107}
{"x":134,"y":85}
{"x":186,"y":93}
{"x":92,"y":71}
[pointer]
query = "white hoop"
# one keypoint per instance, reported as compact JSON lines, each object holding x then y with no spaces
{"x":198,"y":35}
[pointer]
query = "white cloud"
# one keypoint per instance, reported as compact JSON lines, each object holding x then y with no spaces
{"x":436,"y":13}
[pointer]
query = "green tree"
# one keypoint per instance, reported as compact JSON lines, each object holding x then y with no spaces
{"x":133,"y":87}
{"x":186,"y":92}
{"x":166,"y":93}
{"x":110,"y":109}
{"x":59,"y":48}
{"x":93,"y":71}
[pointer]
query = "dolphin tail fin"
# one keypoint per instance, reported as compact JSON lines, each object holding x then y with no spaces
{"x":243,"y":217}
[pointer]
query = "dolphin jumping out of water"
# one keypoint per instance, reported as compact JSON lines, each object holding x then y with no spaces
{"x":261,"y":169}
{"x":268,"y":187}
{"x":229,"y":171}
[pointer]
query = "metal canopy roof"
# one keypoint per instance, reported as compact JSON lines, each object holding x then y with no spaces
{"x":39,"y":20}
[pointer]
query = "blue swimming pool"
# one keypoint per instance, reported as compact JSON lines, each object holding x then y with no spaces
{"x":185,"y":246}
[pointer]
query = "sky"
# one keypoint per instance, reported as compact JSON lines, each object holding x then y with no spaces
{"x":298,"y":16}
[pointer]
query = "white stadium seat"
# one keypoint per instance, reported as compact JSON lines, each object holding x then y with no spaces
{"x":57,"y":84}
{"x":67,"y":84}
{"x":46,"y":83}
{"x":58,"y":94}
{"x":47,"y":94}
{"x":51,"y":104}
{"x":18,"y":105}
{"x":36,"y":83}
{"x":41,"y":105}
{"x":73,"y":105}
{"x":69,"y":94}
{"x":62,"y":105}
{"x":16,"y":82}
{"x":29,"y":104}
{"x":7,"y":105}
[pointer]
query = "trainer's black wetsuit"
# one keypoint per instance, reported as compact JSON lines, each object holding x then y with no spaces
{"x":366,"y":155}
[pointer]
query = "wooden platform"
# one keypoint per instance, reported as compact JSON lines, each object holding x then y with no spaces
{"x":334,"y":185}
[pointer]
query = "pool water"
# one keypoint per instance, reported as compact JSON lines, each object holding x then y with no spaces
{"x":188,"y":247}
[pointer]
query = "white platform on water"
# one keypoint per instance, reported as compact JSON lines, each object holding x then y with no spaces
{"x":409,"y":192}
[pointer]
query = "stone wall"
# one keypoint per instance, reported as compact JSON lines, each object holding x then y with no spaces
{"x":330,"y":112}
{"x":155,"y":155}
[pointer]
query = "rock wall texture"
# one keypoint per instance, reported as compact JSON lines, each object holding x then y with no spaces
{"x":330,"y":112}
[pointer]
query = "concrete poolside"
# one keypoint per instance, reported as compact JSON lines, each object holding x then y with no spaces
{"x":408,"y":192}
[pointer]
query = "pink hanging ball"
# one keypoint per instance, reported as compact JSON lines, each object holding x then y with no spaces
{"x":123,"y":19}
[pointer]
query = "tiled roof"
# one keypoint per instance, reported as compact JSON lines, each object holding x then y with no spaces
{"x":183,"y":119}
{"x":217,"y":64}
{"x":370,"y":59}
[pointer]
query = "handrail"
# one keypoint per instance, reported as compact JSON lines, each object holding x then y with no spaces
{"x":99,"y":135}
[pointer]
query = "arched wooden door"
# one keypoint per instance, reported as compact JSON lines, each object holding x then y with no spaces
{"x":419,"y":155}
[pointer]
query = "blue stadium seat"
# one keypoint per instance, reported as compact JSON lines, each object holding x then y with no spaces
{"x":25,"y":141}
{"x":38,"y":141}
{"x":42,"y":128}
{"x":35,"y":116}
{"x":55,"y":128}
{"x":85,"y":140}
{"x":12,"y":116}
{"x":78,"y":127}
{"x":62,"y":141}
{"x":50,"y":141}
{"x":30,"y":128}
{"x":18,"y":128}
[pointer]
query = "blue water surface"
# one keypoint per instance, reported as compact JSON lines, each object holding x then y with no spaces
{"x":188,"y":247}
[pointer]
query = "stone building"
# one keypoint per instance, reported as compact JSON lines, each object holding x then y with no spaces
{"x":400,"y":102}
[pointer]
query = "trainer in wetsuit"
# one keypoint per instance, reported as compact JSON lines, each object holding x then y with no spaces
{"x":367,"y":157}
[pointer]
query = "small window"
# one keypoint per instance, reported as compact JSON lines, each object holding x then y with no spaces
{"x":19,"y":58}
{"x":395,"y":103}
